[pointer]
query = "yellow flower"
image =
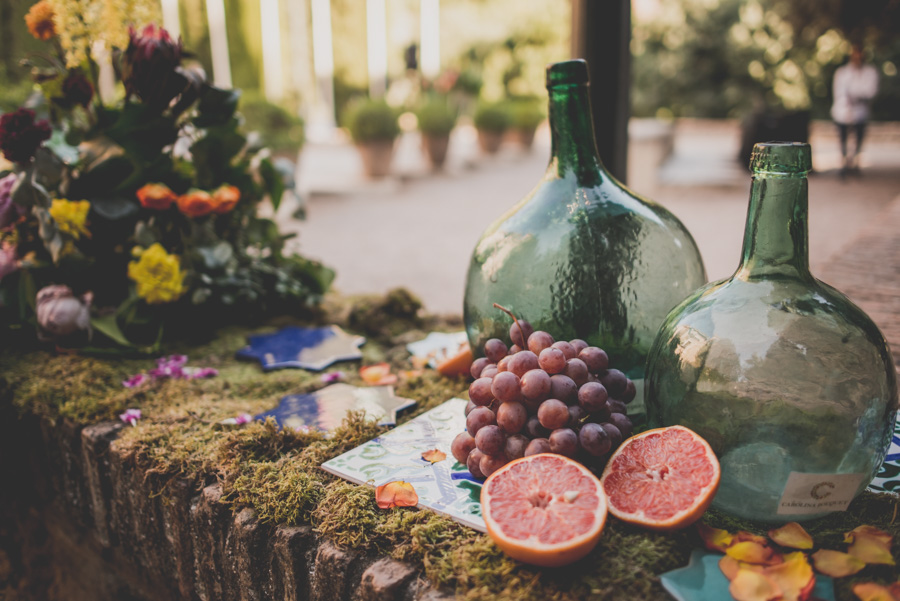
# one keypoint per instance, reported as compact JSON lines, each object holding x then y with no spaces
{"x":71,"y":216}
{"x":40,"y":21}
{"x":158,"y":275}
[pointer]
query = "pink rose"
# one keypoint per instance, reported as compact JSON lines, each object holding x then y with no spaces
{"x":60,"y":313}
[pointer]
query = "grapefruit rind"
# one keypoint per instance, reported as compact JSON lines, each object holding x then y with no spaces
{"x":680,"y":519}
{"x":531,"y":550}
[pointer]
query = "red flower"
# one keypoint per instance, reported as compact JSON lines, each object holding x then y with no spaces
{"x":156,"y":196}
{"x":149,"y":62}
{"x":20,"y":136}
{"x":225,"y":198}
{"x":196,"y":203}
{"x":77,"y":89}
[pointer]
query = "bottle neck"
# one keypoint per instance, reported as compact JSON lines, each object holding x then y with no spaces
{"x":776,"y":239}
{"x":574,"y":150}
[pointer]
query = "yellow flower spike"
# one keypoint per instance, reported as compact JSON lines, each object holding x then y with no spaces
{"x":71,"y":216}
{"x":158,"y":275}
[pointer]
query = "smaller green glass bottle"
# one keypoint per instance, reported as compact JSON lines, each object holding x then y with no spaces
{"x":791,"y":384}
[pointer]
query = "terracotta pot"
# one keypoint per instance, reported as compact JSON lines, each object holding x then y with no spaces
{"x":524,"y":136}
{"x":435,"y":147}
{"x":376,"y":157}
{"x":490,"y":141}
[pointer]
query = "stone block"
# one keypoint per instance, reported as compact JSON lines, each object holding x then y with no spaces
{"x":95,"y":442}
{"x":384,"y":580}
{"x":175,"y":504}
{"x":210,"y":528}
{"x":330,"y":579}
{"x":293,"y":559}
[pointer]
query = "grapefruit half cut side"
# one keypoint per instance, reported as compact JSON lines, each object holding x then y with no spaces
{"x":662,"y":479}
{"x":544,"y":509}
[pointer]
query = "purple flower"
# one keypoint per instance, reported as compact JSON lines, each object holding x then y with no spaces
{"x":60,"y":313}
{"x":21,"y":135}
{"x":8,"y":262}
{"x":149,"y":65}
{"x":169,"y":367}
{"x":136,"y":380}
{"x":194,"y":373}
{"x":332,"y":377}
{"x":76,"y":89}
{"x":9,"y":211}
{"x":131,"y":416}
{"x":243,"y":418}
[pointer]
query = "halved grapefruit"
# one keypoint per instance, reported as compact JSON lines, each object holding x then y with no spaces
{"x":544,"y":509}
{"x":662,"y":479}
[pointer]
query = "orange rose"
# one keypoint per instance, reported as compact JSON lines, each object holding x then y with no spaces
{"x":225,"y":198}
{"x":156,"y":196}
{"x":40,"y":21}
{"x":196,"y":203}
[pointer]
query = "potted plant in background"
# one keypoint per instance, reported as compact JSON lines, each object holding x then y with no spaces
{"x":279,"y":130}
{"x":526,"y":115}
{"x":373,"y":127}
{"x":436,"y":120}
{"x":491,"y":121}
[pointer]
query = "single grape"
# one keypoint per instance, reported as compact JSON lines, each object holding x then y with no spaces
{"x":577,"y":370}
{"x":490,"y":440}
{"x":478,"y":418}
{"x":600,"y":415}
{"x":474,"y":464}
{"x":505,"y":387}
{"x":511,"y":417}
{"x":562,"y":387}
{"x":523,"y":362}
{"x":515,"y":446}
{"x":495,"y":349}
{"x":490,"y":371}
{"x":461,"y":446}
{"x":564,"y":441}
{"x":567,"y":349}
{"x":579,"y":345}
{"x":576,"y":416}
{"x":592,"y":397}
{"x":538,"y":445}
{"x":539,"y":341}
{"x":595,"y":358}
{"x":480,"y":391}
{"x":535,"y":385}
{"x":534,"y":429}
{"x":503,"y":364}
{"x":553,"y":414}
{"x":622,"y":423}
{"x":615,"y":382}
{"x":515,"y":334}
{"x":552,"y":360}
{"x":478,"y":365}
{"x":594,"y":439}
{"x":469,"y":406}
{"x":616,"y":406}
{"x":514,"y":349}
{"x":629,"y":393}
{"x":615,"y":435}
{"x":491,"y":463}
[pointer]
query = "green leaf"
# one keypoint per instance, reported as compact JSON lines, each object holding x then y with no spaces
{"x":144,"y":234}
{"x":273,"y":182}
{"x":48,"y":232}
{"x":216,"y":257}
{"x":61,"y":148}
{"x":217,"y":106}
{"x":214,"y":152}
{"x":108,"y":326}
{"x":27,"y":193}
{"x":48,"y":169}
{"x":114,"y":209}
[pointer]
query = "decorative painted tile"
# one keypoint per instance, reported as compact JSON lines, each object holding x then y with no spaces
{"x":325,"y":409}
{"x":702,"y":580}
{"x":306,"y":348}
{"x":445,"y":487}
{"x":888,"y":477}
{"x":437,"y":346}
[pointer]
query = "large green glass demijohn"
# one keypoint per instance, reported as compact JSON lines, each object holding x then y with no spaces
{"x":792,"y":384}
{"x":581,"y":256}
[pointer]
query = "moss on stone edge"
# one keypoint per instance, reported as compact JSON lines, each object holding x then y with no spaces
{"x":276,"y":472}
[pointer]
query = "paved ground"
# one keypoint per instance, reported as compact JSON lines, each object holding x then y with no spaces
{"x":418,"y":229}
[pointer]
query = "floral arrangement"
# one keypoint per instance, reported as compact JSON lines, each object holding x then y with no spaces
{"x":129,"y":219}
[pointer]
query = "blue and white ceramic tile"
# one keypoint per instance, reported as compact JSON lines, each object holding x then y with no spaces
{"x":702,"y":580}
{"x":306,"y":348}
{"x":445,"y":487}
{"x":888,"y":477}
{"x":437,"y":345}
{"x":325,"y":409}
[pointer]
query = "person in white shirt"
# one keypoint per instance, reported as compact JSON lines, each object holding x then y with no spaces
{"x":855,"y":85}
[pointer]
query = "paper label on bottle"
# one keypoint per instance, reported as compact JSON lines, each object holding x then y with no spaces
{"x":818,"y":493}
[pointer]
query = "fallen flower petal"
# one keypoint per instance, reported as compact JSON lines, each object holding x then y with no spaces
{"x":870,"y":531}
{"x":130,"y":416}
{"x":434,"y":455}
{"x":136,"y":380}
{"x":195,"y":373}
{"x":396,"y":494}
{"x":243,"y":418}
{"x":792,"y":535}
{"x":836,"y":563}
{"x":871,"y":549}
{"x":332,"y":377}
{"x":378,"y":375}
{"x":754,"y":552}
{"x":715,"y":539}
{"x":749,"y":585}
{"x":458,"y":364}
{"x":730,"y":566}
{"x":869,"y":591}
{"x":795,"y":577}
{"x":743,"y":535}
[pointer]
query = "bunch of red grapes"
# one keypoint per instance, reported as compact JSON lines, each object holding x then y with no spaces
{"x":542,"y":396}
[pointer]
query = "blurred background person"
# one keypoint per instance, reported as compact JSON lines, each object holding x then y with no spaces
{"x":855,"y":85}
